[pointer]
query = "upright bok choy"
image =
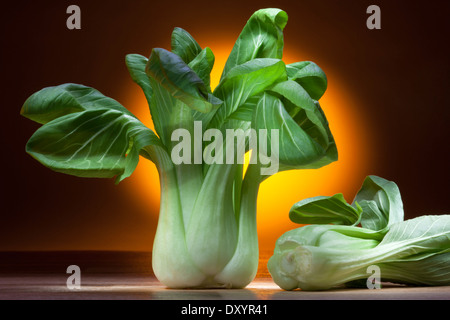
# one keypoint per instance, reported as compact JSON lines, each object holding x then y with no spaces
{"x":206,"y":234}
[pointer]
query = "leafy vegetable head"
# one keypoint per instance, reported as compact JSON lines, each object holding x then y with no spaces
{"x":323,"y":256}
{"x":206,"y":235}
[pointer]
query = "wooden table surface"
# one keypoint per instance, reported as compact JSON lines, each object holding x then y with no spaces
{"x":138,"y":286}
{"x":125,"y":275}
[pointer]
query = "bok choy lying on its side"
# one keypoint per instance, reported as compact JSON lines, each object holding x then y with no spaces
{"x":206,"y":234}
{"x":323,"y":256}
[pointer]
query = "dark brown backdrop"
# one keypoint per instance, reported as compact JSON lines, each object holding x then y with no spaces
{"x":399,"y":74}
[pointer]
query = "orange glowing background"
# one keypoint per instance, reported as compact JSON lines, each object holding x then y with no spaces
{"x":387,"y":104}
{"x":278,"y":193}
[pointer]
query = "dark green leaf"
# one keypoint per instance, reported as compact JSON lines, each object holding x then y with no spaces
{"x":200,"y":61}
{"x":309,"y":76}
{"x":53,"y":102}
{"x":184,"y":45}
{"x":381,"y":202}
{"x":94,"y":143}
{"x":136,"y":66}
{"x":202,"y":65}
{"x":304,"y":111}
{"x":244,"y":81}
{"x":85,"y":133}
{"x":297,"y":149}
{"x":325,"y":210}
{"x":173,"y":80}
{"x":174,"y":75}
{"x":261,"y":37}
{"x":246,"y":110}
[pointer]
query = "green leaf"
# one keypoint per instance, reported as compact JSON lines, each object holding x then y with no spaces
{"x":172,"y":79}
{"x":184,"y":45}
{"x":381,"y":202}
{"x":161,"y":106}
{"x":325,"y":210}
{"x":53,"y":102}
{"x":245,"y":111}
{"x":78,"y":121}
{"x":297,"y":149}
{"x":174,"y":75}
{"x":373,"y":218}
{"x":243,"y":82}
{"x":309,"y":76}
{"x":94,"y":143}
{"x":303,"y":109}
{"x":200,"y":61}
{"x":136,"y":66}
{"x":331,"y":154}
{"x":261,"y":37}
{"x":429,"y":232}
{"x":202,"y":65}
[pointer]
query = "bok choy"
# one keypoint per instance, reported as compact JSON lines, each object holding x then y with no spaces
{"x":206,"y":234}
{"x":335,"y":250}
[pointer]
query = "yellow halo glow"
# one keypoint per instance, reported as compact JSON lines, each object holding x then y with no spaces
{"x":278,"y":193}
